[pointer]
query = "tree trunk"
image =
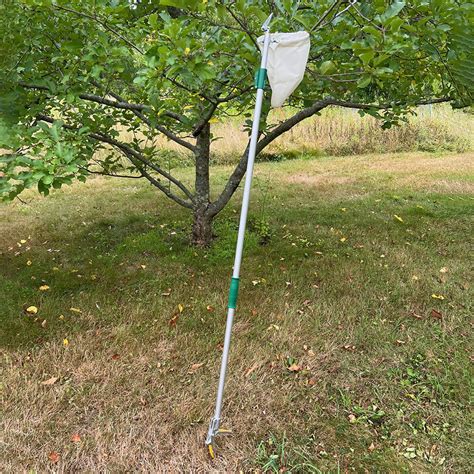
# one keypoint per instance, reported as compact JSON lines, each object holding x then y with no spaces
{"x":202,"y":224}
{"x":202,"y":229}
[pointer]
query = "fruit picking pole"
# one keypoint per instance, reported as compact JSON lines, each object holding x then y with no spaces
{"x":234,"y":285}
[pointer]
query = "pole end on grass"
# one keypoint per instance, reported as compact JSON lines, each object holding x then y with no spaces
{"x":211,"y":451}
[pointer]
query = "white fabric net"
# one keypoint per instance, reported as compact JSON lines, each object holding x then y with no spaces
{"x":287,"y":58}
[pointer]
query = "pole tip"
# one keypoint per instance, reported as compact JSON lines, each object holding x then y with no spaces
{"x":266,"y":25}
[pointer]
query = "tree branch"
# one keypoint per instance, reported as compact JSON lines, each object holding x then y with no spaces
{"x":103,"y":173}
{"x":178,"y":117}
{"x":325,"y":15}
{"x":356,"y":105}
{"x":204,"y":119}
{"x":166,"y":132}
{"x":239,"y":171}
{"x":290,"y":123}
{"x":103,"y":24}
{"x":122,"y":104}
{"x":165,"y":190}
{"x":119,"y":103}
{"x":130,"y":152}
{"x":242,"y":25}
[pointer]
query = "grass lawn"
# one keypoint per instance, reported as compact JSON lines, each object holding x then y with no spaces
{"x":362,"y":291}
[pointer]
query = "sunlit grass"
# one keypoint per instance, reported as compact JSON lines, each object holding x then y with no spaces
{"x":363,"y":286}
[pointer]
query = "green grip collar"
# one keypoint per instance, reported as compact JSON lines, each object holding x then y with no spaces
{"x":233,"y":292}
{"x":260,"y":78}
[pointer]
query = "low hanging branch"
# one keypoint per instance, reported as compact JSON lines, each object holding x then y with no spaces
{"x":239,"y":171}
{"x":122,"y":104}
{"x":129,"y":152}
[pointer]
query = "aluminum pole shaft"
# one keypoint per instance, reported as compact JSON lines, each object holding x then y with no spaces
{"x":215,"y":422}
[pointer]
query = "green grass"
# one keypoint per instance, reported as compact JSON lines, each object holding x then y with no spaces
{"x":332,"y":281}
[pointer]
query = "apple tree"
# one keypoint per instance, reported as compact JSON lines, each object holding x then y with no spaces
{"x":76,"y":75}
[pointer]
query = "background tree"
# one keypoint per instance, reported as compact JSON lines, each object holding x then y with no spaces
{"x":77,"y":74}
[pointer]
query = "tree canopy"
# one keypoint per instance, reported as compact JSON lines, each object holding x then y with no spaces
{"x":76,"y":74}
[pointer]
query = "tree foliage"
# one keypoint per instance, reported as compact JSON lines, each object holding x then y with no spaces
{"x":76,"y":74}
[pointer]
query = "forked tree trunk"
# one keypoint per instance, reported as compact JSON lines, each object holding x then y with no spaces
{"x":202,"y":217}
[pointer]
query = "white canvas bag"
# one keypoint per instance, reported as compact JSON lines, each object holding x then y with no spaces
{"x":287,"y":58}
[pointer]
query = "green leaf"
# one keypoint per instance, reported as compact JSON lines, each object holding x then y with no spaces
{"x":327,"y":67}
{"x":364,"y":81}
{"x":395,"y":23}
{"x":393,"y":10}
{"x":47,"y":180}
{"x":43,"y":188}
{"x":367,"y":56}
{"x":153,"y":20}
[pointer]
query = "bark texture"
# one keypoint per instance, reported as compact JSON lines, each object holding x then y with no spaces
{"x":202,"y":229}
{"x":202,"y":223}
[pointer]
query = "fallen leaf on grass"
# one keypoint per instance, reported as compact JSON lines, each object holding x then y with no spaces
{"x":295,"y":368}
{"x":273,"y":326}
{"x":53,"y":456}
{"x":166,"y":293}
{"x":29,"y":263}
{"x":436,"y":314}
{"x":437,"y":297}
{"x":371,"y":447}
{"x":75,"y":310}
{"x":43,"y":288}
{"x":172,"y":322}
{"x":180,"y":308}
{"x":115,"y":357}
{"x":251,"y":369}
{"x":50,"y":381}
{"x":352,"y":418}
{"x":75,"y":438}
{"x":32,"y":310}
{"x":312,"y":381}
{"x":65,"y":342}
{"x":444,"y":270}
{"x":43,"y":324}
{"x":195,"y":367}
{"x":210,"y":308}
{"x":399,"y":219}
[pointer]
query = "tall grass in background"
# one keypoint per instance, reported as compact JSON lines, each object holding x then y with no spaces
{"x":345,"y":132}
{"x":341,"y":132}
{"x":338,"y":132}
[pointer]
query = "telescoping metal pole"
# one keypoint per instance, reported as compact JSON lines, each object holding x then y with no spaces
{"x":234,"y":285}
